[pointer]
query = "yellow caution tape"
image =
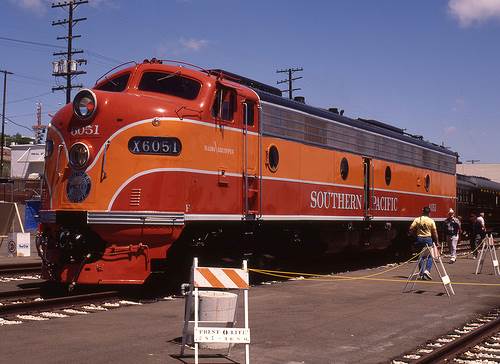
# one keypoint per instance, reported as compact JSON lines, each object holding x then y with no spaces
{"x":330,"y":278}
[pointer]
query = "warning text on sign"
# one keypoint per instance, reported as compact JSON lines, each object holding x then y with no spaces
{"x":222,"y":335}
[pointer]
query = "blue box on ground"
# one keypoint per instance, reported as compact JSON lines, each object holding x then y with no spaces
{"x":31,"y":215}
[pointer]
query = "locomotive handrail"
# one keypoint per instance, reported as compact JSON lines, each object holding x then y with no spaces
{"x":112,"y":69}
{"x":187,"y":64}
{"x":103,"y":172}
{"x":59,"y":148}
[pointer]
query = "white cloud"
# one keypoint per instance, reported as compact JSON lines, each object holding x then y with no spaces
{"x":469,"y":12}
{"x":181,"y":46}
{"x":99,"y":3}
{"x":38,"y":7}
{"x":450,"y":130}
{"x":193,"y":44}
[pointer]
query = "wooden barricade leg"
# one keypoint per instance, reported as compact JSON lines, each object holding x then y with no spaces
{"x":187,"y":311}
{"x":412,"y":279}
{"x":488,"y":244}
{"x":480,"y":260}
{"x":494,"y":258}
{"x":441,"y":270}
{"x":245,"y":293}
{"x":196,"y":318}
{"x":19,"y":221}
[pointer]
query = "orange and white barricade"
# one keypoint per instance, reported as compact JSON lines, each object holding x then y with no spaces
{"x":216,"y":331}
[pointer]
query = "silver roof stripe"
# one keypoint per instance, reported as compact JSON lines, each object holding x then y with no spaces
{"x":353,"y":127}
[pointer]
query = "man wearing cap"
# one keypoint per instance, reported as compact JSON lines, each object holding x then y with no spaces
{"x":425,"y":230}
{"x":453,"y":229}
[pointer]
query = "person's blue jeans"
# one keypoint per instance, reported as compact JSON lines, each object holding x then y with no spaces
{"x":425,"y":262}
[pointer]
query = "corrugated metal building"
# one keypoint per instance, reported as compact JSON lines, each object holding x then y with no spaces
{"x":26,"y":160}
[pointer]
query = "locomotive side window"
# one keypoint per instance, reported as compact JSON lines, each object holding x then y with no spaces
{"x":249,"y":110}
{"x":170,"y":84}
{"x":427,"y":184}
{"x":388,"y":175}
{"x":273,"y":158}
{"x":116,"y":84}
{"x":224,"y":104}
{"x":344,"y":168}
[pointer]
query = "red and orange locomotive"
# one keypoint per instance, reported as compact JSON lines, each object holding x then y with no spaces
{"x":160,"y":156}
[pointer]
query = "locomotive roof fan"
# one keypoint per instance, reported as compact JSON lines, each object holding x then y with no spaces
{"x":84,"y":104}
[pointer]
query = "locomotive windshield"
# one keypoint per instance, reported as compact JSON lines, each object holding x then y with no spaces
{"x":170,"y":84}
{"x":116,"y":84}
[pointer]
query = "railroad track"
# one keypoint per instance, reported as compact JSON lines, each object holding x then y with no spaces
{"x":476,"y":342}
{"x":20,"y":268}
{"x":33,"y":290}
{"x":54,"y":303}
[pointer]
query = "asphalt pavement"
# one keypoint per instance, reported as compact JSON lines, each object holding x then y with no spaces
{"x":322,"y":320}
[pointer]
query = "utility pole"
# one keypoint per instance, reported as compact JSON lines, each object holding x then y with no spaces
{"x":68,"y":67}
{"x":290,"y":80}
{"x":5,"y":73}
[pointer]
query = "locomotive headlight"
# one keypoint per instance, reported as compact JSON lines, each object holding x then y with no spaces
{"x":78,"y":155}
{"x":84,"y":104}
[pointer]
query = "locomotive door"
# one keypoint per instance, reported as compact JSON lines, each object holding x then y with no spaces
{"x":367,"y":187}
{"x":251,"y":172}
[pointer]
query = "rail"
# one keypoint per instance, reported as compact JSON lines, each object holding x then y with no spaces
{"x":52,"y":303}
{"x":461,"y":344}
{"x":20,"y":268}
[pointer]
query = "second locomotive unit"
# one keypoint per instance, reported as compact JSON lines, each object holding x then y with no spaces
{"x":158,"y":157}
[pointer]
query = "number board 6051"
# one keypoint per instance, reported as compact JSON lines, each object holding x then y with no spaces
{"x":154,"y":145}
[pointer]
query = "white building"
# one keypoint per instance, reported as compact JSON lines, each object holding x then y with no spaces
{"x":27,"y":160}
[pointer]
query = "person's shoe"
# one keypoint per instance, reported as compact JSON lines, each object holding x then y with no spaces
{"x":453,"y":260}
{"x":427,"y":275}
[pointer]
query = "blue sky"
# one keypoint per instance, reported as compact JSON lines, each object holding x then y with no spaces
{"x":429,"y":66}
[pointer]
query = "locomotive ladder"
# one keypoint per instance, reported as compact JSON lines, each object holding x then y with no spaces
{"x":436,"y":257}
{"x":488,"y":244}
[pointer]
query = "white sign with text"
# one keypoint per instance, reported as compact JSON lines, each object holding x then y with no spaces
{"x":222,"y":335}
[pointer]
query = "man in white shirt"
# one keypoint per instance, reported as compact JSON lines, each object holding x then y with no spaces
{"x":453,"y":228}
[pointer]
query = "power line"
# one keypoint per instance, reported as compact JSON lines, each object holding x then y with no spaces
{"x":91,"y":53}
{"x":31,"y":42}
{"x":29,"y":98}
{"x":20,"y":125}
{"x":33,"y":78}
{"x":29,"y":114}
